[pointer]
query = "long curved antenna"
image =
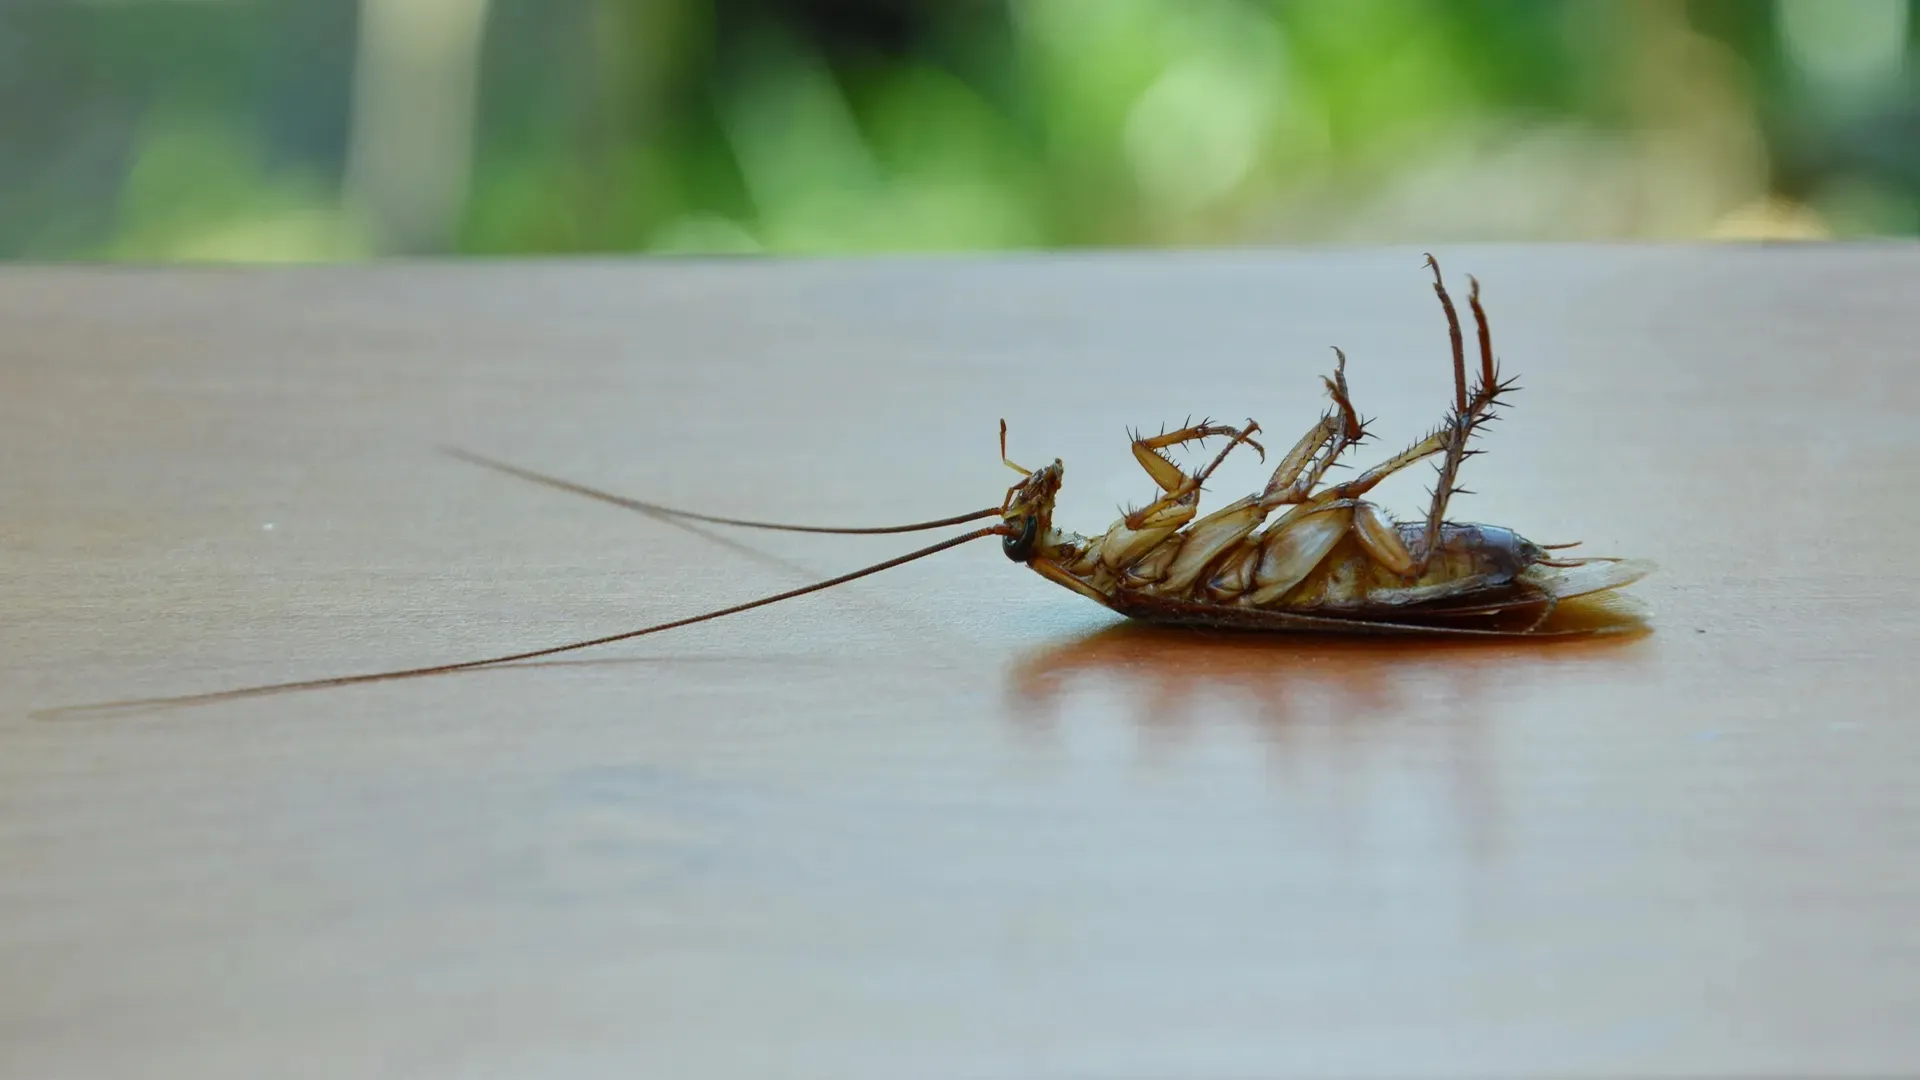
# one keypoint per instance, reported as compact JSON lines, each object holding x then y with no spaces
{"x":668,"y":511}
{"x":530,"y":654}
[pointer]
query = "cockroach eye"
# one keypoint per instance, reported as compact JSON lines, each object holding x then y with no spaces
{"x":1020,"y":548}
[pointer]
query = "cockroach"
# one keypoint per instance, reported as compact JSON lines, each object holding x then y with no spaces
{"x":1298,"y":556}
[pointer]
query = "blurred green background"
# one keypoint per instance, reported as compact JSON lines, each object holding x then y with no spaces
{"x":262,"y":130}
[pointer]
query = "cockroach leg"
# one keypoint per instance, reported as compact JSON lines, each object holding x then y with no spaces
{"x":1244,"y":435}
{"x":1354,"y":429}
{"x":1149,"y":452}
{"x":1458,"y":429}
{"x":1371,"y":479}
{"x":1487,"y":374}
{"x":1453,"y":333}
{"x":1174,"y":482}
{"x":1455,"y":436}
{"x":1290,"y":482}
{"x":1377,"y":535}
{"x":1301,"y":470}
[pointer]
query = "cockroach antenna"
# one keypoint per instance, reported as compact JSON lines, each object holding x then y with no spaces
{"x":530,"y":654}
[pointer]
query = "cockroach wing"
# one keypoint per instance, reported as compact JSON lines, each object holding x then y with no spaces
{"x":1530,"y":591}
{"x":1167,"y":612}
{"x":1584,"y":577}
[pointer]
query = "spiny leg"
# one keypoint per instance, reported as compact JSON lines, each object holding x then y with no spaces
{"x":1473,"y":411}
{"x":1296,"y":476}
{"x":1367,"y":481}
{"x":1488,"y":376}
{"x":1174,"y":482}
{"x":1451,"y":436}
{"x":1244,"y":435}
{"x":1353,"y":428}
{"x":1171,"y":478}
{"x":1290,"y":482}
{"x":1453,"y":333}
{"x":1304,"y":466}
{"x":1455,"y":435}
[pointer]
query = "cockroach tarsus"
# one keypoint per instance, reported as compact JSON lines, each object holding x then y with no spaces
{"x":1329,"y":562}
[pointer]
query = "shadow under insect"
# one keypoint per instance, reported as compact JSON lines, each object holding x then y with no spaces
{"x":1163,"y":672}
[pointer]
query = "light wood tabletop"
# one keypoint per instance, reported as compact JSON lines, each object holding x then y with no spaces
{"x":951,"y":819}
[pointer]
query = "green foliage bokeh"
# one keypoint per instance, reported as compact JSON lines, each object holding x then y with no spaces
{"x":258,"y":131}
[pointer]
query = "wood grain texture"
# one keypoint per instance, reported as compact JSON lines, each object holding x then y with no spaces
{"x":949,"y":820}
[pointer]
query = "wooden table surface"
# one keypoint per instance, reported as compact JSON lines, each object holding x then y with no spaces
{"x":950,"y":820}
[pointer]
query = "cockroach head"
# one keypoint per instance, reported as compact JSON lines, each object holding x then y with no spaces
{"x":1028,"y":511}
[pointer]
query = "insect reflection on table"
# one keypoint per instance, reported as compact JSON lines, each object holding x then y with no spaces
{"x":1278,"y":681}
{"x":1313,"y":707}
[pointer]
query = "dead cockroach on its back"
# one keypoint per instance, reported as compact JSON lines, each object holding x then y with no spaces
{"x":1298,"y":555}
{"x":1330,"y":561}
